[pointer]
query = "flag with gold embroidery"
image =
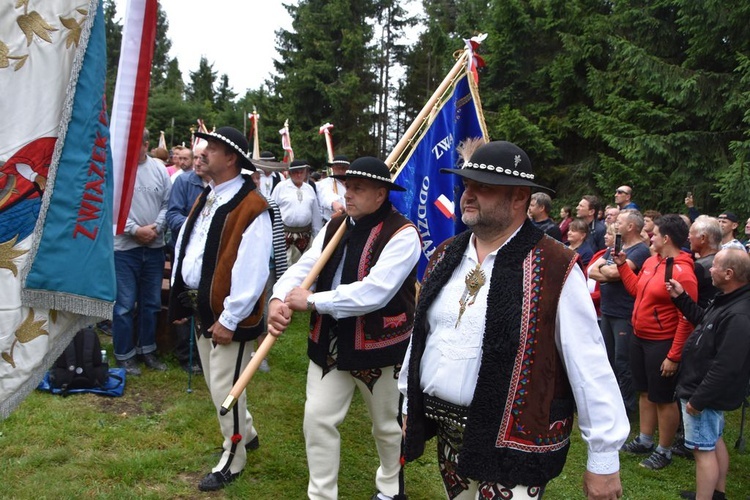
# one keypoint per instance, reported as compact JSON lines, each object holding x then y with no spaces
{"x":56,"y":243}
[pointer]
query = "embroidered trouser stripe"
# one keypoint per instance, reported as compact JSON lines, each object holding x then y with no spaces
{"x":222,"y":366}
{"x":449,"y":441}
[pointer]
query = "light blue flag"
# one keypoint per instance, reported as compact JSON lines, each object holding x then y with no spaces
{"x":73,"y":268}
{"x":431,"y":199}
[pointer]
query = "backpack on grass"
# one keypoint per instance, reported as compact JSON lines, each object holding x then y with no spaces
{"x":81,"y":365}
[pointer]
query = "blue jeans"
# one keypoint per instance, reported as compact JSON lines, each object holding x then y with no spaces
{"x":139,"y":274}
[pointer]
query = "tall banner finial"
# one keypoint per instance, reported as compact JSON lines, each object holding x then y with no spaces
{"x":326,"y":131}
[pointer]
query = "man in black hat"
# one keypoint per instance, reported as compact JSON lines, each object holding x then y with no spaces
{"x":270,"y":172}
{"x":299,"y":210}
{"x":219,"y":277}
{"x":506,"y":346}
{"x":331,"y":190}
{"x":362,"y":312}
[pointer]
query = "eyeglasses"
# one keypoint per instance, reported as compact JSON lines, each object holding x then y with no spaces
{"x":621,"y":191}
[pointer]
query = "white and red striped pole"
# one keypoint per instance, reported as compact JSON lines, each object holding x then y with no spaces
{"x":326,"y":131}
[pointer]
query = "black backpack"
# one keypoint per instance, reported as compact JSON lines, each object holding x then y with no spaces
{"x":81,"y":365}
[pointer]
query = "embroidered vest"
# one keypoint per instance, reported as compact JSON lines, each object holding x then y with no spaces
{"x":521,"y":414}
{"x":379,"y":338}
{"x":220,"y":254}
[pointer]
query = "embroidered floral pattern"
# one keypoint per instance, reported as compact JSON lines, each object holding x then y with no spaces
{"x":369,"y":377}
{"x":518,"y":436}
{"x":449,"y":441}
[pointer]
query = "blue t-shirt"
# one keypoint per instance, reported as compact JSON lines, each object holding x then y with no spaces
{"x":616,"y":301}
{"x":585,"y":252}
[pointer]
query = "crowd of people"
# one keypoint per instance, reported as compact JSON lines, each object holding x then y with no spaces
{"x":615,"y":313}
{"x":652,"y":278}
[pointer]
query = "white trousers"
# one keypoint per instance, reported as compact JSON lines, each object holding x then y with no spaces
{"x":328,"y":400}
{"x":222,"y":365}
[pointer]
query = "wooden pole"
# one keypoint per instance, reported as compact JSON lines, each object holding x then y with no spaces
{"x":326,"y":131}
{"x":260,"y":354}
{"x":256,"y":143}
{"x":426,"y":110}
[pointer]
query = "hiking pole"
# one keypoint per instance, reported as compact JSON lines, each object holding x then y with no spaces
{"x":263,"y":348}
{"x":740,"y":444}
{"x":190,"y":355}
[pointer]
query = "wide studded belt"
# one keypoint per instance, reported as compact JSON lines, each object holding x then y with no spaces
{"x":442,"y":411}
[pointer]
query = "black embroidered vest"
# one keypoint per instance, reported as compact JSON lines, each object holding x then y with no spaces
{"x":521,"y":414}
{"x":379,"y":338}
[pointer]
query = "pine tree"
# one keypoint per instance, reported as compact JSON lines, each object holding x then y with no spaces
{"x":201,"y":86}
{"x":162,"y":44}
{"x":113,"y":30}
{"x":225,"y":95}
{"x":173,"y":81}
{"x":668,"y":106}
{"x":392,"y":19}
{"x":325,"y":74}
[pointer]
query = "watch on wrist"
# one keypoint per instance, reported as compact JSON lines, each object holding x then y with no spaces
{"x":310,"y":303}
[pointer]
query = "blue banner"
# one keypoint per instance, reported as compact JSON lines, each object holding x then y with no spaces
{"x":432,"y":200}
{"x":73,"y":268}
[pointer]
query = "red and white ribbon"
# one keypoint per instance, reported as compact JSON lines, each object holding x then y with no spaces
{"x":131,"y":101}
{"x":326,"y":131}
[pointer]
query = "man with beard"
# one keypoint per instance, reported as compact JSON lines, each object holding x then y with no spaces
{"x":505,"y":346}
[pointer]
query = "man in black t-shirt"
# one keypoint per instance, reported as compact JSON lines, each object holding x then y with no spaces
{"x":617,"y":304}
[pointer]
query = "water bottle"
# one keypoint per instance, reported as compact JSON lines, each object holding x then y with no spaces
{"x":104,"y":356}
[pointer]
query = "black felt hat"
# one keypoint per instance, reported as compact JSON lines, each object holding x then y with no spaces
{"x":340,"y":161}
{"x":232,"y":138}
{"x":368,"y":167}
{"x":268,"y":161}
{"x":498,"y":163}
{"x":299,"y":164}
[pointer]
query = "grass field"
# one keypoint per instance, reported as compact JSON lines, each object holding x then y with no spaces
{"x":158,"y":440}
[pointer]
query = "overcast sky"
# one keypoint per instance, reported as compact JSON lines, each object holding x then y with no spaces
{"x":237,"y":36}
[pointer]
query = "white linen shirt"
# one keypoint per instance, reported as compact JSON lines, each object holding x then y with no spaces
{"x":298,"y":205}
{"x":452,"y":357}
{"x":250,"y":269}
{"x":396,"y":261}
{"x":265,"y":184}
{"x":329,"y":191}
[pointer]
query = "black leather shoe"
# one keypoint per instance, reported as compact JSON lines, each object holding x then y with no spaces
{"x":253,"y":444}
{"x":377,"y":496}
{"x":216,"y":480}
{"x":151,"y":361}
{"x":131,"y":367}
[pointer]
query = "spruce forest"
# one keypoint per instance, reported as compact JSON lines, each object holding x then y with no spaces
{"x":653,"y":94}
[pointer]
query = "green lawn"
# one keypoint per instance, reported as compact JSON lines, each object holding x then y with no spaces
{"x":159,"y":440}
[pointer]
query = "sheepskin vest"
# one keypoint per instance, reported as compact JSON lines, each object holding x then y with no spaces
{"x":521,"y":414}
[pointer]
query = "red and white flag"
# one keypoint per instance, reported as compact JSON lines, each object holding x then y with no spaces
{"x":131,"y":101}
{"x":446,"y":206}
{"x":197,"y":142}
{"x":474,"y":61}
{"x":286,"y":143}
